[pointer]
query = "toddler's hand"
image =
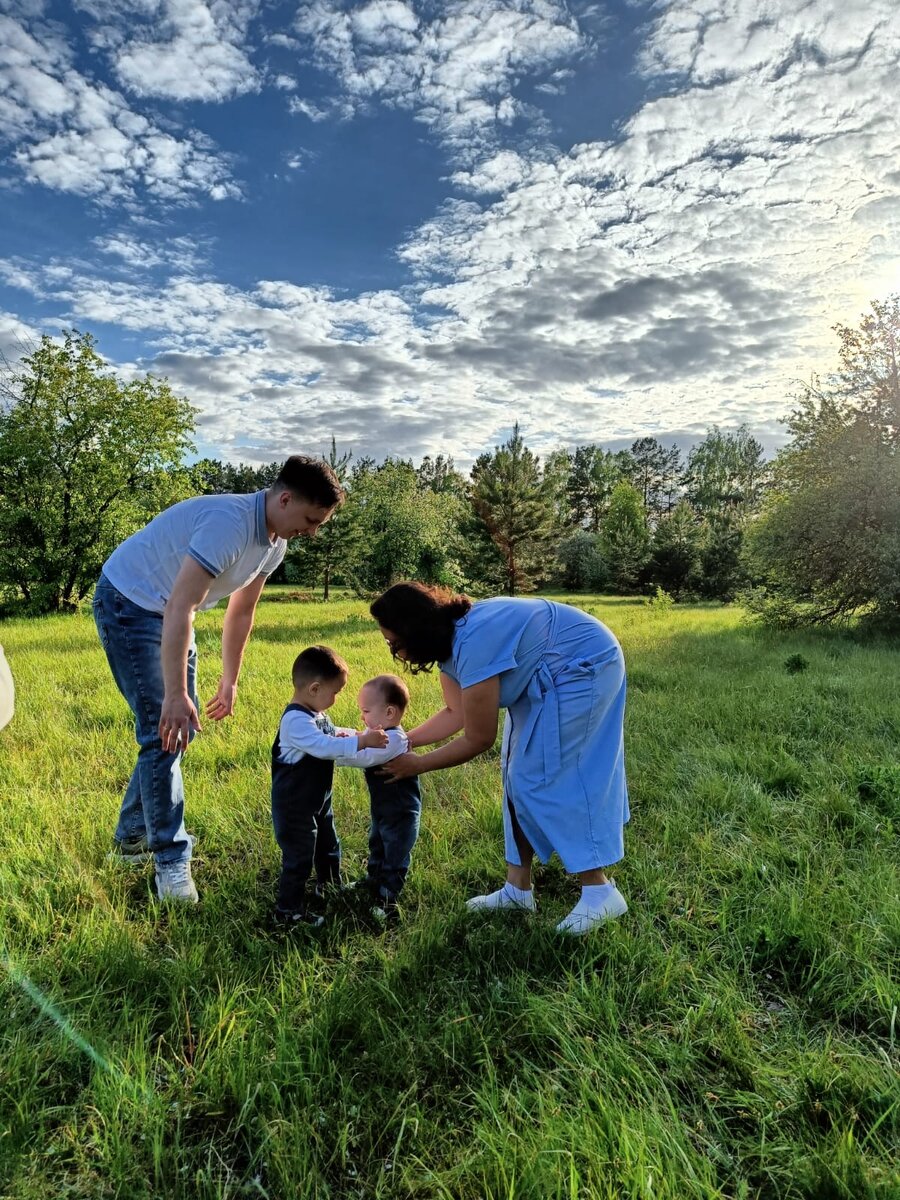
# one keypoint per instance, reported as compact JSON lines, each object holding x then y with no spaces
{"x":373,"y":739}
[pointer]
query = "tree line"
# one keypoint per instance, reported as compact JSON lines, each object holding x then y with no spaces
{"x":811,"y":536}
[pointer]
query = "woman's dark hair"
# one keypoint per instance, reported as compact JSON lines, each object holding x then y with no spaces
{"x":421,"y":617}
{"x":312,"y":479}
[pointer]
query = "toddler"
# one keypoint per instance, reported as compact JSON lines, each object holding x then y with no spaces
{"x":303,"y":756}
{"x":395,"y":808}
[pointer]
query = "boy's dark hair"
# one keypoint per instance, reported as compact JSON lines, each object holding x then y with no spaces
{"x":392,"y":690}
{"x":311,"y":479}
{"x":317,"y":662}
{"x":421,"y":617}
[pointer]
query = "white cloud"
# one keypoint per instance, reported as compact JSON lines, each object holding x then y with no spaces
{"x":179,"y":254}
{"x":457,"y":71}
{"x":177,"y":49}
{"x":76,"y":135}
{"x":16,"y":337}
{"x":687,"y":272}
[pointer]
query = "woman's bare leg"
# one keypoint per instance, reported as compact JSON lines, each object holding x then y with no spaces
{"x":520,"y":876}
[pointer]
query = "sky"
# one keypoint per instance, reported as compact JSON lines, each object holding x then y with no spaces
{"x":409,"y":225}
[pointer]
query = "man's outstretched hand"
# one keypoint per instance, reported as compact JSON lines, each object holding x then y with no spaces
{"x":222,"y":703}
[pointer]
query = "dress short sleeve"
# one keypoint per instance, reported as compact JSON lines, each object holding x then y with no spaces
{"x":485,"y":643}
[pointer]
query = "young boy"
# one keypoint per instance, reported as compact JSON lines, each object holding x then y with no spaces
{"x":395,"y":807}
{"x":303,"y":756}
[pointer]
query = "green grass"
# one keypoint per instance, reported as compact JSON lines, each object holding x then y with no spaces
{"x":736,"y":1035}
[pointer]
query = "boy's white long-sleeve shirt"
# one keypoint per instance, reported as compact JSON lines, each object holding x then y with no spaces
{"x":302,"y":732}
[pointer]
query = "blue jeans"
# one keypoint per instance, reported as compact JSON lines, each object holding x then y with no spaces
{"x":154,"y":799}
{"x":395,"y":810}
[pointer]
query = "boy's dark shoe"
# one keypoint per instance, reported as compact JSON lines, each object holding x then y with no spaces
{"x":297,"y":918}
{"x":384,"y":911}
{"x":131,"y":851}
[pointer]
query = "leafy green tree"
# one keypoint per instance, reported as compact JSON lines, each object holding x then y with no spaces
{"x":211,"y":477}
{"x":624,"y":539}
{"x":722,"y":571}
{"x":515,"y":504}
{"x":828,"y":542}
{"x":440,"y":475}
{"x":85,"y":459}
{"x":581,"y":560}
{"x":676,"y":550}
{"x":593,"y":475}
{"x":324,"y":558}
{"x":557,"y":473}
{"x":403,"y":531}
{"x":726,"y":474}
{"x":654,"y":471}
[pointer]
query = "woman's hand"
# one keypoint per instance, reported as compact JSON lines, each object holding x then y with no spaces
{"x":404,"y":766}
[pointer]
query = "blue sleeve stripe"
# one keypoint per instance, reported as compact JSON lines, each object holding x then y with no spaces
{"x":207,"y":566}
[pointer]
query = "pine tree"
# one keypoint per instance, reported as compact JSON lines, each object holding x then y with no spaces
{"x":515,"y":503}
{"x":624,"y":538}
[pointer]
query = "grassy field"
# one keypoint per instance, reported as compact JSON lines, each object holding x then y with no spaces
{"x":736,"y":1035}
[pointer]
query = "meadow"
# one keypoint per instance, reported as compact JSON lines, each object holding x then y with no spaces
{"x":735,"y":1035}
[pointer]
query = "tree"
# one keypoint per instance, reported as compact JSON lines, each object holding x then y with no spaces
{"x":583,"y":568}
{"x":593,"y":475}
{"x":828,"y":542}
{"x":676,"y":552}
{"x":440,"y":475}
{"x":726,"y":474}
{"x":320,"y":558}
{"x":654,"y":472}
{"x":85,"y":459}
{"x":624,"y":539}
{"x":722,"y":568}
{"x":514,"y":502}
{"x":211,"y":477}
{"x":403,"y":531}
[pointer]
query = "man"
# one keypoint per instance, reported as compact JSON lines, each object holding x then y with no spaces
{"x":185,"y":560}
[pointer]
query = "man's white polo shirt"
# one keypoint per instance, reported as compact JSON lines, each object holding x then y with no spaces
{"x":226,"y":535}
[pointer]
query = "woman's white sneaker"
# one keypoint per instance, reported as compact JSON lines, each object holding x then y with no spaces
{"x":598,"y":903}
{"x":505,"y":897}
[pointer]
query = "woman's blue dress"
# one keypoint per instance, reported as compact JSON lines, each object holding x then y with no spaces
{"x":562,"y":682}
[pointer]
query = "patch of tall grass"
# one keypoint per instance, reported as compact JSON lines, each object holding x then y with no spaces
{"x":736,"y":1035}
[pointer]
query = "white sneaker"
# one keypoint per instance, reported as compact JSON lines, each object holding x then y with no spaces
{"x":583,"y":918}
{"x":505,"y":897}
{"x":174,"y":882}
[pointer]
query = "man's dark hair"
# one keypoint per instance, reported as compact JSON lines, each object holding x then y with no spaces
{"x":317,"y":662}
{"x":392,"y":690}
{"x":421,"y":619}
{"x":312,"y":479}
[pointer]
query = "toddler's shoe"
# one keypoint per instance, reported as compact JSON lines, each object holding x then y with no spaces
{"x":298,"y":918}
{"x":174,"y":882}
{"x":130,"y":851}
{"x":385,"y":911}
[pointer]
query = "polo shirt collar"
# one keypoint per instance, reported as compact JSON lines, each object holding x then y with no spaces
{"x":262,"y":532}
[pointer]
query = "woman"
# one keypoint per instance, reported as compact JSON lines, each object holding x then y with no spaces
{"x":560,"y":675}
